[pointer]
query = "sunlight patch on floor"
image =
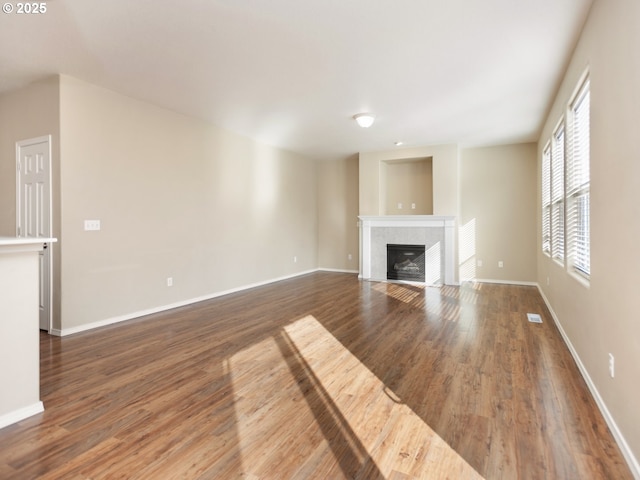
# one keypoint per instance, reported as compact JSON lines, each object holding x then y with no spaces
{"x":345,"y":422}
{"x":404,"y":293}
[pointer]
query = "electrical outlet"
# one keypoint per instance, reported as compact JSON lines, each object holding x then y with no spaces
{"x":295,"y":259}
{"x":169,"y":281}
{"x":479,"y":263}
{"x":500,"y":264}
{"x":413,"y":206}
{"x":612,"y":365}
{"x":350,"y":257}
{"x":399,"y":206}
{"x":91,"y":225}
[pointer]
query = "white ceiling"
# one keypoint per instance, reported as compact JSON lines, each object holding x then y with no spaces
{"x":292,"y":73}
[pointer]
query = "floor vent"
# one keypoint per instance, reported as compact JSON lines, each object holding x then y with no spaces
{"x":534,"y":318}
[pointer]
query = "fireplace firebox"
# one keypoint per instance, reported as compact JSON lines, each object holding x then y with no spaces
{"x":406,"y":262}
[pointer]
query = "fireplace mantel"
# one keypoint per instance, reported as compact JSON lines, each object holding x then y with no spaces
{"x":435,"y":232}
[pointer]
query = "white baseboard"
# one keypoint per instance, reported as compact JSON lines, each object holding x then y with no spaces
{"x":632,"y":461}
{"x":336,"y":270}
{"x":20,"y":414}
{"x":501,"y":282}
{"x":162,"y":308}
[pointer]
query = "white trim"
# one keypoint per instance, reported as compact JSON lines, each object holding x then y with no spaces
{"x":20,"y":414}
{"x":335,"y":270}
{"x":365,"y":251}
{"x":48,"y":256}
{"x":501,"y":282}
{"x":162,"y":308}
{"x":408,"y":220}
{"x":29,"y":243}
{"x":27,"y":143}
{"x":632,"y":461}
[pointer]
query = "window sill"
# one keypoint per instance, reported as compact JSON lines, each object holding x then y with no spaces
{"x":582,"y":278}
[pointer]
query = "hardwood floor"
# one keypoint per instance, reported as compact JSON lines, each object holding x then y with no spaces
{"x":322,"y":376}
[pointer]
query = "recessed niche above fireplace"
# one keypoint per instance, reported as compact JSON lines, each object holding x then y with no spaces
{"x":405,"y":262}
{"x":406,"y":186}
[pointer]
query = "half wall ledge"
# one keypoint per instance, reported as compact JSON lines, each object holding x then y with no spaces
{"x":19,"y":327}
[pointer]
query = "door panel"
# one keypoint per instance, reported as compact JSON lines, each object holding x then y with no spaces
{"x":33,"y":195}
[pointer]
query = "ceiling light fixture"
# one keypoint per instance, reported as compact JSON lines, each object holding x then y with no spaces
{"x":365,"y":120}
{"x":398,"y":143}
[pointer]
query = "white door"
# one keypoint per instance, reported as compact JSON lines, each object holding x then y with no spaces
{"x":33,"y":209}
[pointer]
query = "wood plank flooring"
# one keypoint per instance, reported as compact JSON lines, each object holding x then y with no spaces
{"x":318,"y":377}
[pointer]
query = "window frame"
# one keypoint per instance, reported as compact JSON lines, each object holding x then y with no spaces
{"x":558,"y":214}
{"x":578,"y":181}
{"x":546,"y":199}
{"x":566,"y":187}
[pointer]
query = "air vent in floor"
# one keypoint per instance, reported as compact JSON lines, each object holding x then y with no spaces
{"x":534,"y":318}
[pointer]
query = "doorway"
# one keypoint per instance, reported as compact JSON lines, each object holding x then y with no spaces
{"x":33,"y":209}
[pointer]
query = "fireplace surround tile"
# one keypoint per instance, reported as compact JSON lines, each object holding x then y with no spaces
{"x":436,"y":233}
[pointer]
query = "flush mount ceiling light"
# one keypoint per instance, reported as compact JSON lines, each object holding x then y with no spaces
{"x":365,"y":120}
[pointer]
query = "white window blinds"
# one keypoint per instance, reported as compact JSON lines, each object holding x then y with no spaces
{"x":578,"y":182}
{"x":546,"y":200}
{"x":557,"y":194}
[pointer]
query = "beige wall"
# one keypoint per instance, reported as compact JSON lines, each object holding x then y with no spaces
{"x":26,"y":113}
{"x":338,"y":214}
{"x":176,"y":197}
{"x":602,"y":318}
{"x":498,"y":213}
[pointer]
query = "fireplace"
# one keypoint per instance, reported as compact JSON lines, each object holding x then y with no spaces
{"x":436,"y":233}
{"x":405,"y":262}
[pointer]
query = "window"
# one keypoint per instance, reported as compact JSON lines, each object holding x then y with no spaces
{"x":565,"y":187}
{"x":578,"y":183}
{"x":557,"y":194}
{"x":546,"y":200}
